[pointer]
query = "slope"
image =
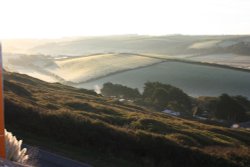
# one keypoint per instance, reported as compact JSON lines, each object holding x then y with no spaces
{"x":82,"y":119}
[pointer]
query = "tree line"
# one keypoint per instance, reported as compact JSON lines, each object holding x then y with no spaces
{"x":164,"y":96}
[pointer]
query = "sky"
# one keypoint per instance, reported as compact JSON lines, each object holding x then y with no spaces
{"x":71,"y":18}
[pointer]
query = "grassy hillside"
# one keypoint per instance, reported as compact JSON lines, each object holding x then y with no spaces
{"x":127,"y":134}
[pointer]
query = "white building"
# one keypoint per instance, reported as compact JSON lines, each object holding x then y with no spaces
{"x":170,"y":112}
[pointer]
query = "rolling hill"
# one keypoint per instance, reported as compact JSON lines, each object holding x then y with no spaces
{"x":167,"y":45}
{"x":173,"y":45}
{"x":123,"y":133}
{"x":77,"y":60}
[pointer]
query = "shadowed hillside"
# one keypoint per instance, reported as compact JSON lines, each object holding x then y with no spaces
{"x":130,"y":134}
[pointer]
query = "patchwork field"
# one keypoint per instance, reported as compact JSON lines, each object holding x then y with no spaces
{"x":75,"y":69}
{"x":230,"y":60}
{"x":89,"y":61}
{"x":195,"y":79}
{"x":81,"y":69}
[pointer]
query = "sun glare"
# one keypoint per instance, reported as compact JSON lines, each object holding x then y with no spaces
{"x":60,"y":18}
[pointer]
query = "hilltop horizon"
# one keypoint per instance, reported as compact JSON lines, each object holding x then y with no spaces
{"x":120,"y":35}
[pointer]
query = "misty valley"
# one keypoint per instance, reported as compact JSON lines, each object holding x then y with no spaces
{"x":132,"y":100}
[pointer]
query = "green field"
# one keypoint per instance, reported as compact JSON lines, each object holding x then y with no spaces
{"x":194,"y":79}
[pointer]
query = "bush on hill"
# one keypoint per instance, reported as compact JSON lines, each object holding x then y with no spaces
{"x":230,"y":109}
{"x":110,"y":89}
{"x":166,"y":96}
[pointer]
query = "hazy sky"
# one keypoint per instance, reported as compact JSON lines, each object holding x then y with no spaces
{"x":62,"y":18}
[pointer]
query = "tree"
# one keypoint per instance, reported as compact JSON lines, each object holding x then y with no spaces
{"x":110,"y":89}
{"x":166,"y":96}
{"x":229,"y":109}
{"x":160,"y":97}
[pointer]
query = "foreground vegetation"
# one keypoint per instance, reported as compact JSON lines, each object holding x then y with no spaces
{"x":82,"y":119}
{"x":159,"y":96}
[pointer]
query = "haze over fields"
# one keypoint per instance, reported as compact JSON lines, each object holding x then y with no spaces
{"x":138,"y":83}
{"x":198,"y":65}
{"x":78,"y":60}
{"x":82,"y":61}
